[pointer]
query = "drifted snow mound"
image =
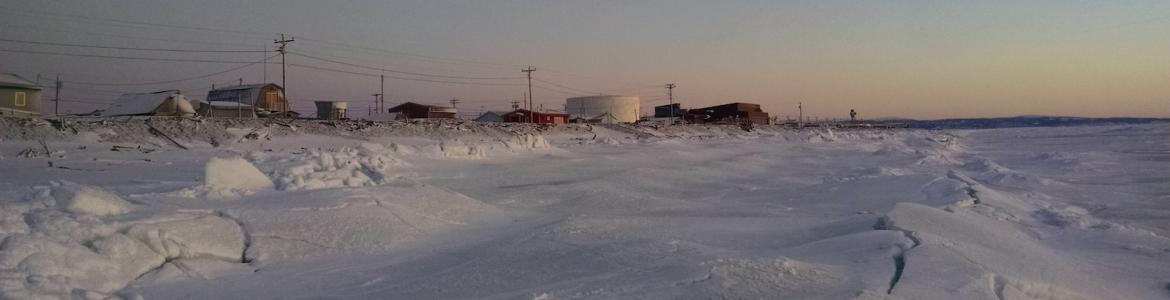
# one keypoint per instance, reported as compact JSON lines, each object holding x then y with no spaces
{"x":366,"y":165}
{"x":965,"y":254}
{"x":201,"y":237}
{"x":67,"y":249}
{"x":749,"y":278}
{"x":354,"y":221}
{"x":84,"y":199}
{"x":226,"y":177}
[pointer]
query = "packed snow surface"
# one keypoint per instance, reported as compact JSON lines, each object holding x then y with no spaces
{"x":263,"y":210}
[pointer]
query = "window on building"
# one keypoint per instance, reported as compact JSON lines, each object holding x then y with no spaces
{"x":20,"y":99}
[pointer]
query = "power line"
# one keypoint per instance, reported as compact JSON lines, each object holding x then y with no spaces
{"x":167,"y":81}
{"x":401,"y":72}
{"x":126,"y":48}
{"x":93,"y":33}
{"x":564,"y":87}
{"x":134,"y":23}
{"x":126,"y":57}
{"x":402,"y":78}
{"x":425,"y":57}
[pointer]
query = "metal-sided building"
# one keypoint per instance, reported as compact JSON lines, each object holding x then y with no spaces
{"x":332,"y":110}
{"x":664,"y":111}
{"x":411,"y":110}
{"x":729,"y":113}
{"x":265,"y":98}
{"x":604,"y":109}
{"x":19,"y":97}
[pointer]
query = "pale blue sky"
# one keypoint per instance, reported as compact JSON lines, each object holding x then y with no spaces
{"x":922,"y":59}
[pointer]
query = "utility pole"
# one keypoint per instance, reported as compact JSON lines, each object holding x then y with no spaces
{"x":265,"y":64}
{"x":381,"y":91}
{"x":800,"y":118}
{"x":454,"y":101}
{"x":529,"y":71}
{"x":283,"y":77}
{"x":670,"y":93}
{"x":515,"y":104}
{"x":57,"y":95}
{"x":377,"y":96}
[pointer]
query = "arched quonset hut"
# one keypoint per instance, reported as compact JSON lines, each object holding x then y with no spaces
{"x":604,"y":109}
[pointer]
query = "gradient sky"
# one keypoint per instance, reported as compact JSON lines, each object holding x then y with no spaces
{"x":919,"y":59}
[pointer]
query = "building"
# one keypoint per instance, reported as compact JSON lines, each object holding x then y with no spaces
{"x":332,"y":110}
{"x":411,"y":110}
{"x":729,"y":113}
{"x":165,"y":103}
{"x":226,"y":109}
{"x":491,"y":117}
{"x":604,"y":109}
{"x":522,"y":116}
{"x":265,"y":98}
{"x":19,"y":96}
{"x":664,"y":111}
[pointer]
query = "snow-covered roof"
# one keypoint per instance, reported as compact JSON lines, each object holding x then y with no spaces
{"x":141,"y":104}
{"x":13,"y":80}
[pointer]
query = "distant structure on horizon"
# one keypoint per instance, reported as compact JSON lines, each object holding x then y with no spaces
{"x":604,"y":109}
{"x":332,"y":110}
{"x":729,"y":113}
{"x":411,"y":110}
{"x":524,"y":116}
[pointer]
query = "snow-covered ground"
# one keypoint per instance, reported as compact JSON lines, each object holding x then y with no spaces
{"x":451,"y":211}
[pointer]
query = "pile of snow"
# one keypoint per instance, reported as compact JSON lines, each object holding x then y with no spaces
{"x":351,"y":221}
{"x":366,"y":165}
{"x":229,"y":178}
{"x":73,"y":246}
{"x":82,"y":199}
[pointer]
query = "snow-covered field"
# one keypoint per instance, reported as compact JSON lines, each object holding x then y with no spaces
{"x":453,"y":211}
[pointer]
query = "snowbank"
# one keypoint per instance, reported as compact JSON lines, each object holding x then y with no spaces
{"x":84,"y":199}
{"x":233,"y":177}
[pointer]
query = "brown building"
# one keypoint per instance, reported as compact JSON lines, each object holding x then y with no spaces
{"x":411,"y":110}
{"x":729,"y":113}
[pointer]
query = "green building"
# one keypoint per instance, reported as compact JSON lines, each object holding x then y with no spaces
{"x":19,"y":97}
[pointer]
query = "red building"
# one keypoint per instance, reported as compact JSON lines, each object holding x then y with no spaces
{"x":522,"y":116}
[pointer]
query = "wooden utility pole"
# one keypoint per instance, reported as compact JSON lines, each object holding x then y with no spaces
{"x":454,"y":101}
{"x":377,"y":97}
{"x":529,"y":71}
{"x":265,"y":64}
{"x":283,"y":77}
{"x":800,"y":118}
{"x":381,"y":92}
{"x":57,"y":95}
{"x":515,"y":104}
{"x":670,"y":94}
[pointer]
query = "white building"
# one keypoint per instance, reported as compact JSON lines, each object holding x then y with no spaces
{"x":604,"y":109}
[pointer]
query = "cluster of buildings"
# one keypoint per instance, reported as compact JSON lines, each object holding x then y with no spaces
{"x":627,"y":109}
{"x":22,"y":97}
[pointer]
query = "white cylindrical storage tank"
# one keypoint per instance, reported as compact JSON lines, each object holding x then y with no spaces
{"x":606,"y":109}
